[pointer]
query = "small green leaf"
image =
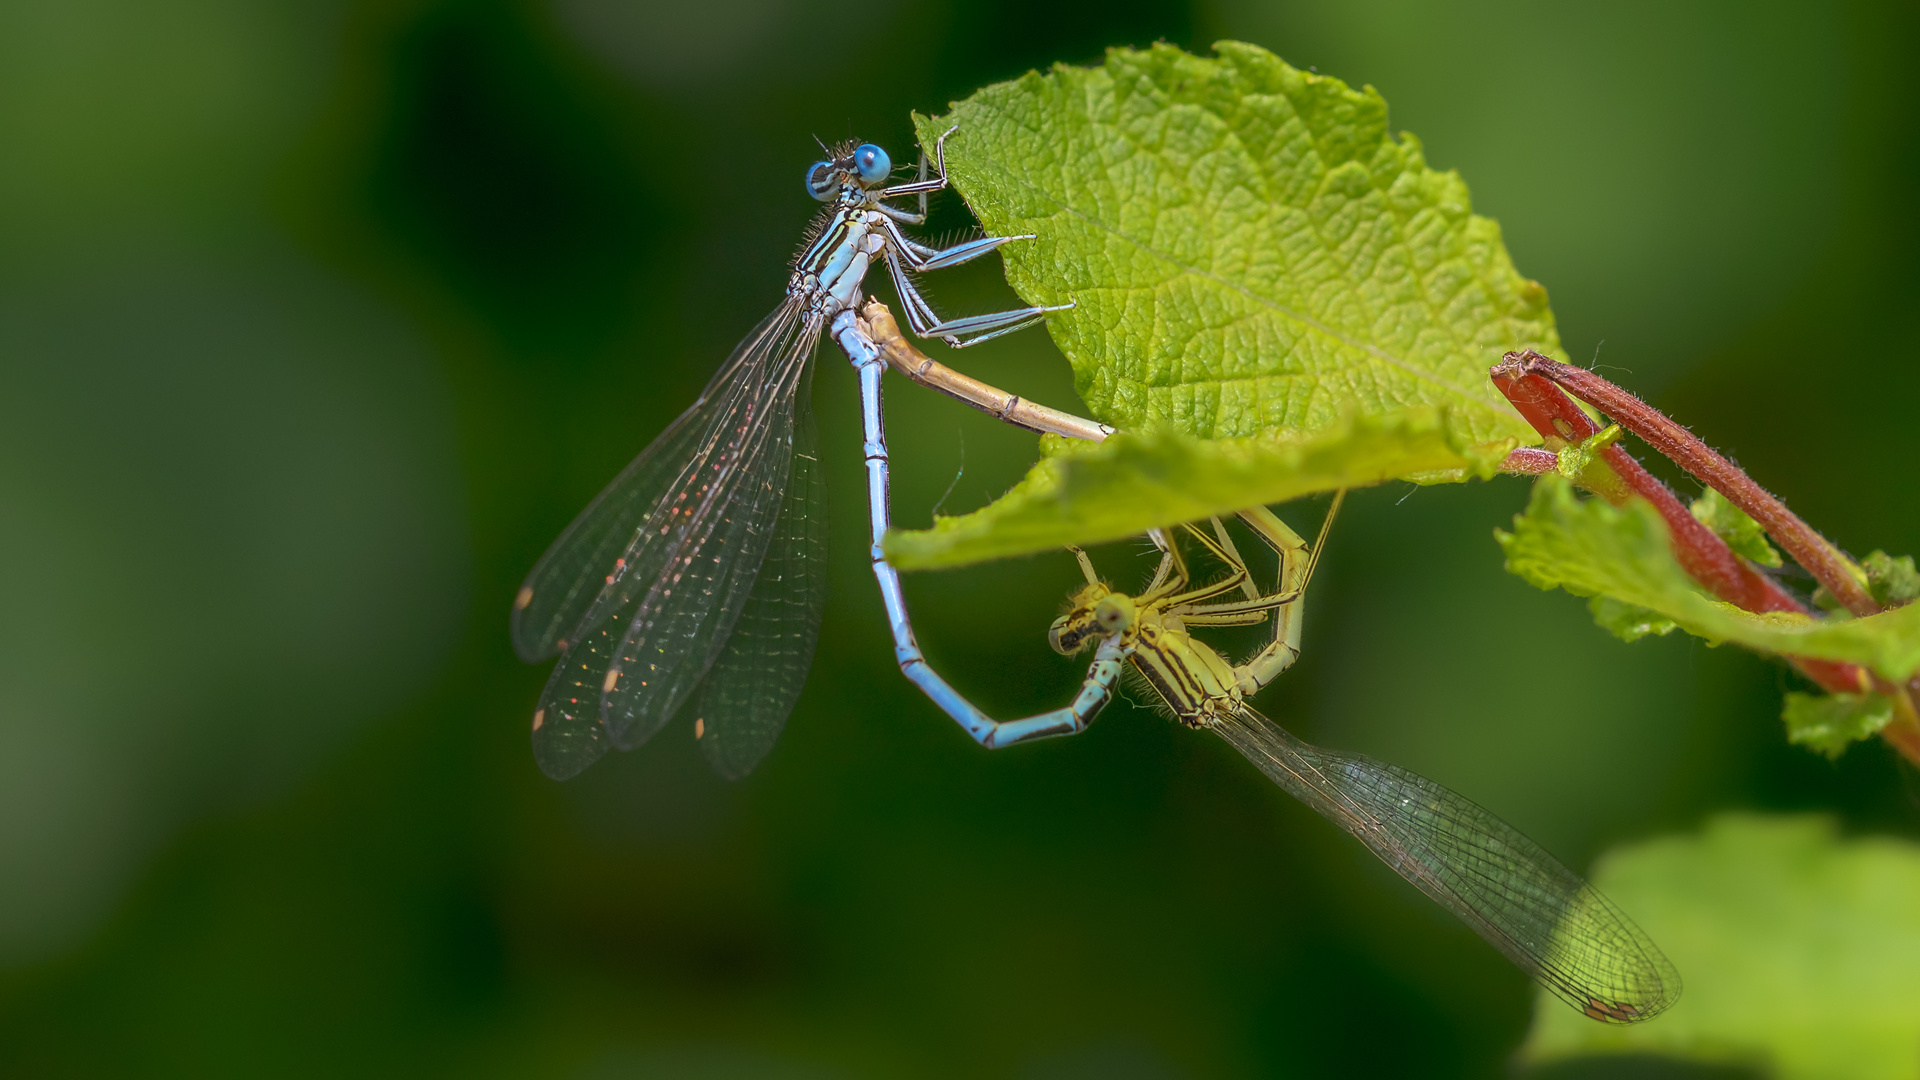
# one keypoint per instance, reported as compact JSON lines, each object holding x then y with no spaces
{"x":1577,"y":458}
{"x":1891,"y":581}
{"x":1800,"y":950}
{"x":1093,"y":492}
{"x":1628,"y":622}
{"x":1590,"y":548}
{"x":1250,"y":254}
{"x":1830,"y":723}
{"x":1731,"y":524}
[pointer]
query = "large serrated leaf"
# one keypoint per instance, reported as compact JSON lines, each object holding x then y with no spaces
{"x":1248,"y":250}
{"x":1590,"y":548}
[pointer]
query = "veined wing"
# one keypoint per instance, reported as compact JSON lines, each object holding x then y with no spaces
{"x":600,"y":574}
{"x":712,"y":536}
{"x":752,"y":686}
{"x":1544,"y":917}
{"x":750,"y":690}
{"x":607,"y":543}
{"x":567,"y":733}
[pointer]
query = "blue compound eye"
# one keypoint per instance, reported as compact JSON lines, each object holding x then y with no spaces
{"x":820,"y":182}
{"x":872,"y":163}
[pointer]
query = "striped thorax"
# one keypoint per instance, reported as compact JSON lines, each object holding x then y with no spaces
{"x":1194,"y":683}
{"x":830,"y":270}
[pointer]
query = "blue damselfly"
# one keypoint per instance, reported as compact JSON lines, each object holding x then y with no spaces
{"x":697,"y":575}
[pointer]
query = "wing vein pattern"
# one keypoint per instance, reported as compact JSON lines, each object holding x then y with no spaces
{"x":676,"y":543}
{"x":1545,"y":918}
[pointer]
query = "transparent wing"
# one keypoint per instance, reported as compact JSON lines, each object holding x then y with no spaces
{"x":744,"y":702}
{"x":710,"y":537}
{"x":607,"y":543}
{"x":567,"y":733}
{"x":1544,"y":917}
{"x":593,"y":583}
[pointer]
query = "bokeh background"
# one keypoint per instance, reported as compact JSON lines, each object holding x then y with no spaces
{"x":318,"y":320}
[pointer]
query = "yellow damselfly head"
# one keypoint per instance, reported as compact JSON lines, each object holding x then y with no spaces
{"x":1096,"y":612}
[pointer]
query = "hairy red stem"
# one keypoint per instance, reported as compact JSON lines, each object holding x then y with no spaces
{"x":1808,"y":548}
{"x":1704,"y":556}
{"x":1530,"y":461}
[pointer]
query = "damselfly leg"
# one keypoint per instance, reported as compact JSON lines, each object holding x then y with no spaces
{"x":856,"y":338}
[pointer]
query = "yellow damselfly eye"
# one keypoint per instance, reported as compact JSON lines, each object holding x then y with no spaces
{"x":1114,"y":613}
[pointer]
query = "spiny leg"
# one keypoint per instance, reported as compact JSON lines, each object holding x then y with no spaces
{"x":1195,"y":599}
{"x":923,"y":185}
{"x":904,"y":254}
{"x":920,"y":188}
{"x":1280,"y":654}
{"x":1095,"y":691}
{"x":1226,"y":541}
{"x":1169,"y":562}
{"x":927,"y":323}
{"x":1086,"y":565}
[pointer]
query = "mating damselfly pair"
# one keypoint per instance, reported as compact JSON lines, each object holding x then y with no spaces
{"x":693,"y":586}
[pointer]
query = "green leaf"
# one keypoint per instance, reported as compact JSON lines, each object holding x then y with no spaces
{"x":1628,"y":622}
{"x":1800,"y":950}
{"x":1247,"y":247}
{"x":1093,"y":492}
{"x":1590,"y":548}
{"x":1891,"y":581}
{"x":1731,"y":524}
{"x":1249,"y":254}
{"x":1830,"y":723}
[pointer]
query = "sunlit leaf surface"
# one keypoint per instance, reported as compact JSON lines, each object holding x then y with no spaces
{"x":1248,"y":249}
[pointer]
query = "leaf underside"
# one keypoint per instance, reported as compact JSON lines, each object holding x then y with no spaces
{"x":1086,"y":493}
{"x":1829,"y":723}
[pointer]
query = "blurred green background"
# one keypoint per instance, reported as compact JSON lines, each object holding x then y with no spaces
{"x":318,"y":321}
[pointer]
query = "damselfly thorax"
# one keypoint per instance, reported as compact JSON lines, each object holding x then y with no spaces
{"x":1193,"y":681}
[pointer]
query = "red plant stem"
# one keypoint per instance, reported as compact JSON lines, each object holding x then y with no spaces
{"x":1533,"y":383}
{"x":1704,"y":556}
{"x":1530,"y":461}
{"x":1807,"y":546}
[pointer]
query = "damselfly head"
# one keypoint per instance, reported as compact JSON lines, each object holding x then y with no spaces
{"x":866,"y":165}
{"x":1096,"y":612}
